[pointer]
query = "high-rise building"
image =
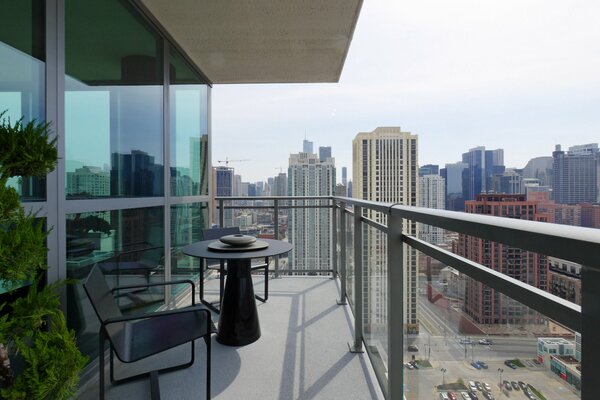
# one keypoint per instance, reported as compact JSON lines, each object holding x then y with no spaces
{"x":280,"y":185}
{"x":324,"y":153}
{"x":345,"y":176}
{"x":483,"y":304}
{"x":453,"y":174}
{"x":539,"y":168}
{"x":385,"y":168}
{"x":429,"y":169}
{"x":482,"y":166}
{"x":310,"y":228}
{"x":223,"y":188}
{"x":432,"y":195}
{"x":307,"y":146}
{"x":575,"y":174}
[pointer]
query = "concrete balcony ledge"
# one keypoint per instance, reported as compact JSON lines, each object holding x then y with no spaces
{"x":302,"y":354}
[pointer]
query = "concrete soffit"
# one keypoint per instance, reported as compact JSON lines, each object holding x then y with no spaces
{"x":260,"y":41}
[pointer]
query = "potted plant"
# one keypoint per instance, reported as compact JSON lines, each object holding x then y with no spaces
{"x":39,"y":358}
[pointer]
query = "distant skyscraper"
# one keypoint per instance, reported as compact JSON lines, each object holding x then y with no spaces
{"x":280,"y":185}
{"x":482,"y":166}
{"x":349,"y":188}
{"x":429,"y":169}
{"x":385,"y":169}
{"x":307,"y":146}
{"x":310,"y":228}
{"x":539,"y":168}
{"x":324,"y":153}
{"x":575,"y":174}
{"x":345,"y":176}
{"x":224,"y":188}
{"x":432,"y":195}
{"x":453,"y":174}
{"x":483,"y":304}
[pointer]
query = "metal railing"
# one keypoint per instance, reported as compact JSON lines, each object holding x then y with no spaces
{"x":580,"y":245}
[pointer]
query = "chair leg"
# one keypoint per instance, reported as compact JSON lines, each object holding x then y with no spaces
{"x":207,"y":340}
{"x":101,"y":340}
{"x":266,"y":278}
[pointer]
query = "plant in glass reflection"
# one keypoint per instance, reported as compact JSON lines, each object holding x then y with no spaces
{"x":33,"y":329}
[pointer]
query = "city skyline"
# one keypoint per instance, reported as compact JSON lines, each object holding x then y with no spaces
{"x":522,"y":84}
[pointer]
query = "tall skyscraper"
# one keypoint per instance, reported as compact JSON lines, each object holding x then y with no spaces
{"x":324,"y":153}
{"x":482,"y":166}
{"x":432,"y":195}
{"x":385,"y":168}
{"x":280,"y":185}
{"x":483,"y":304}
{"x":575,"y":174}
{"x":453,"y":174}
{"x":310,"y":228}
{"x":345,"y":176}
{"x":224,"y":187}
{"x":307,"y":146}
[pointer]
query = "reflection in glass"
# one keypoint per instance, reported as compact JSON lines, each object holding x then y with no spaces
{"x":128,"y":245}
{"x":189,"y":130}
{"x":113,"y":103}
{"x":187,"y":222}
{"x":22,"y":76}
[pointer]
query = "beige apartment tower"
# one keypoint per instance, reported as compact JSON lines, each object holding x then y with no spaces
{"x":385,"y":168}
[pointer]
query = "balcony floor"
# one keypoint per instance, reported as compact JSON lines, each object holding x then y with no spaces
{"x":302,"y":354}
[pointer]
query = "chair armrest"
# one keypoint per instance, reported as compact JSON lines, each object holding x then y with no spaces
{"x":160,"y":284}
{"x":157,"y":314}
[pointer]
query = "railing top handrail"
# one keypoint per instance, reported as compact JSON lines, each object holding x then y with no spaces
{"x":258,"y":198}
{"x":577,"y":244}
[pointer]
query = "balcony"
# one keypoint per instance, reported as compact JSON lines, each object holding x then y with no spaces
{"x":315,"y":328}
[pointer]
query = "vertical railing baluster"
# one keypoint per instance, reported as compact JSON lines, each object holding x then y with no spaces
{"x":590,"y":326}
{"x":342,"y":299}
{"x":357,"y":347}
{"x":395,"y":307}
{"x":276,"y":233}
{"x":334,"y":239}
{"x":221,"y":213}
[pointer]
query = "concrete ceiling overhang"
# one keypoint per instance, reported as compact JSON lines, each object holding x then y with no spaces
{"x":261,"y":41}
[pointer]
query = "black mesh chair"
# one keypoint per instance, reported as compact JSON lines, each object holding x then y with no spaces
{"x":135,"y":337}
{"x":215,"y":234}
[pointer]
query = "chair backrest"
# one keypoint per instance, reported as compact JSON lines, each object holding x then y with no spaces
{"x":216,"y":233}
{"x":100,"y":296}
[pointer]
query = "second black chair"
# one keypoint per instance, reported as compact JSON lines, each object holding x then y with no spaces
{"x":215,"y":234}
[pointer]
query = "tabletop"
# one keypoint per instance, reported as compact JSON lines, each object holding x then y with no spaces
{"x":201,"y":250}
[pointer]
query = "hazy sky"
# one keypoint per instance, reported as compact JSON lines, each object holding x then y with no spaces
{"x":522,"y":75}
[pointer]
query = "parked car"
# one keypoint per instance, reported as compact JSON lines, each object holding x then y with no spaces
{"x":412,"y":347}
{"x":482,"y":364}
{"x":515,"y":385}
{"x":414,"y":364}
{"x":510,"y":364}
{"x":466,"y":396}
{"x":523,"y":385}
{"x":485,"y":342}
{"x":479,"y":386}
{"x":507,"y":385}
{"x":452,"y":396}
{"x":408,"y":365}
{"x":443,"y":396}
{"x":473,"y":395}
{"x":465,"y":341}
{"x":472,"y":386}
{"x":488,"y":395}
{"x":487,"y":386}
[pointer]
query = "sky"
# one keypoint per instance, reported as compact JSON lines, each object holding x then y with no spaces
{"x":519,"y":75}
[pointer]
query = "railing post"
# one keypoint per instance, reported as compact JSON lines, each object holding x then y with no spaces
{"x":590,"y":326}
{"x":358,"y":282}
{"x":342,"y":300}
{"x":276,"y":227}
{"x":334,"y":238}
{"x":221,"y":213}
{"x":395,"y":307}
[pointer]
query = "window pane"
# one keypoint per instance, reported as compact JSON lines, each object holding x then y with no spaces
{"x":128,"y":246}
{"x":22,"y":75}
{"x":189,"y":130}
{"x":113,"y":103}
{"x":187,"y":222}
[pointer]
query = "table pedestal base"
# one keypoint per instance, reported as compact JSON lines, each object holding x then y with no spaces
{"x":238,"y":321}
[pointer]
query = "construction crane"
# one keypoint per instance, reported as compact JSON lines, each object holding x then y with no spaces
{"x":227,"y":161}
{"x":280,"y":169}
